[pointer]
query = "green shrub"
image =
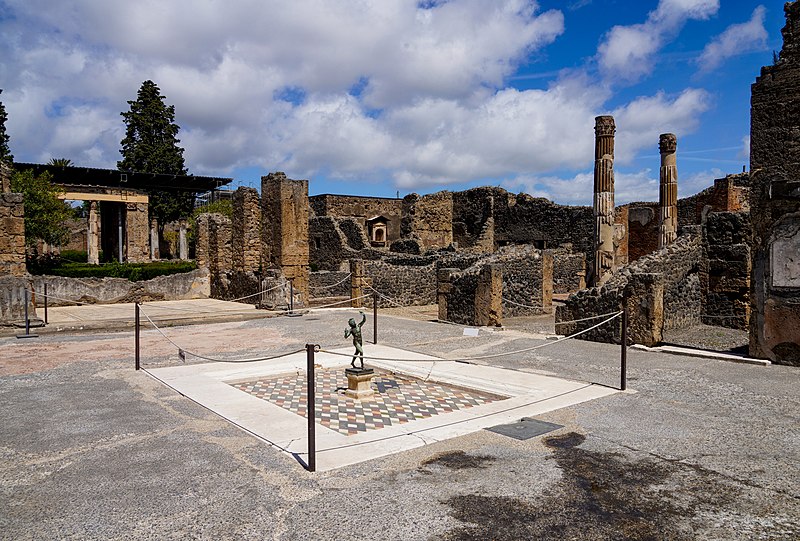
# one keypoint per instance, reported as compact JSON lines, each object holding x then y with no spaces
{"x":134,"y":272}
{"x":78,"y":256}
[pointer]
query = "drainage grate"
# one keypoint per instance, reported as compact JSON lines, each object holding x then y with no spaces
{"x":525,"y":429}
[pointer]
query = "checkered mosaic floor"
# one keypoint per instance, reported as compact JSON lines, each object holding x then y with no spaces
{"x":397,"y":399}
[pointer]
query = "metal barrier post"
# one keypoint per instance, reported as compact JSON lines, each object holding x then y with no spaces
{"x":27,"y":319}
{"x":374,"y":318}
{"x":136,"y":333}
{"x":623,"y":376}
{"x":311,"y":410}
{"x":45,"y":303}
{"x":291,"y":296}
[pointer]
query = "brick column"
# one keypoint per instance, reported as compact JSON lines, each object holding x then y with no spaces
{"x":668,"y":191}
{"x":603,"y":198}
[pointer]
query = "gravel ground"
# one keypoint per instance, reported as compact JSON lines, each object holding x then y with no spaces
{"x":91,"y":449}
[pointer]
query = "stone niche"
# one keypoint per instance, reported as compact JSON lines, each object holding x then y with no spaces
{"x":785,"y":255}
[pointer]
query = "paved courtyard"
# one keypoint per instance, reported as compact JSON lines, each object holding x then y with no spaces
{"x":91,"y":449}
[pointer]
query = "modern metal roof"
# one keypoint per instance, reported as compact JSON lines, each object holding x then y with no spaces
{"x":112,"y":178}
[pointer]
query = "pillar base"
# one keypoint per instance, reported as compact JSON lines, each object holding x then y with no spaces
{"x":359,"y":383}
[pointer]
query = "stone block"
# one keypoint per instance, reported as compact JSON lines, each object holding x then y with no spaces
{"x":489,"y":296}
{"x":644,"y":298}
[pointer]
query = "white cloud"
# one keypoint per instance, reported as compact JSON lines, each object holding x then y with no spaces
{"x":745,"y":152}
{"x":629,"y":186}
{"x":578,"y":190}
{"x":640,"y":122}
{"x":227,"y":66}
{"x":735,"y":40}
{"x":271,"y":84}
{"x":628,"y":53}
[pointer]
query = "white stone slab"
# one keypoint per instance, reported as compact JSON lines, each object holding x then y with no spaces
{"x":528,"y":395}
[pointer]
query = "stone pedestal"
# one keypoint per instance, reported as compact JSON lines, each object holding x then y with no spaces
{"x":359,"y":383}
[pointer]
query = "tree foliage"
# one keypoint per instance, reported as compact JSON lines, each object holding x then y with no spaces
{"x":151,"y":146}
{"x":5,"y":152}
{"x":60,"y":162}
{"x":45,"y":213}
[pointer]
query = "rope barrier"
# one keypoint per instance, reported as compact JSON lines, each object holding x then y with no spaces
{"x":182,"y":351}
{"x":259,"y":293}
{"x":586,"y":318}
{"x":337,"y":303}
{"x":522,"y":305}
{"x":493,"y":356}
{"x":332,"y":285}
{"x":381,"y":295}
{"x":62,"y":299}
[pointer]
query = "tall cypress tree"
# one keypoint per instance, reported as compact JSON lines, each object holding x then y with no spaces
{"x":5,"y":152}
{"x":151,"y":146}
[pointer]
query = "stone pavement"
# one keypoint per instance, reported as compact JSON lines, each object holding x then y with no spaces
{"x":465,"y":398}
{"x":91,"y":449}
{"x":96,"y":317}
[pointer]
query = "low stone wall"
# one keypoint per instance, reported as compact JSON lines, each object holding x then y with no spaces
{"x":405,"y":284}
{"x":232,"y":285}
{"x":12,"y":301}
{"x":661,"y":291}
{"x":188,"y":285}
{"x":471,"y":297}
{"x":527,"y":280}
{"x":569,"y":271}
{"x":330,"y":284}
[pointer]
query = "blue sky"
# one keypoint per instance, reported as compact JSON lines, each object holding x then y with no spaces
{"x":384,"y":96}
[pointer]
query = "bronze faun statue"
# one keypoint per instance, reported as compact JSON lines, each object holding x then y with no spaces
{"x":355,"y":331}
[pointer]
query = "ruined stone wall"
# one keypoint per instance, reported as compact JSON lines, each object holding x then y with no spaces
{"x":473,"y":296}
{"x":284,"y":237}
{"x":527,"y":281}
{"x":728,"y":194}
{"x":214,"y":243}
{"x":775,"y":202}
{"x":643,"y":230}
{"x":473,"y":217}
{"x":662,"y":291}
{"x":429,"y":219}
{"x":334,"y":241}
{"x":361,"y":209}
{"x":246,"y":230}
{"x":408,"y":285}
{"x":231,"y":284}
{"x":12,"y":235}
{"x":329,"y":284}
{"x":569,"y":271}
{"x":137,"y":237}
{"x":726,"y":284}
